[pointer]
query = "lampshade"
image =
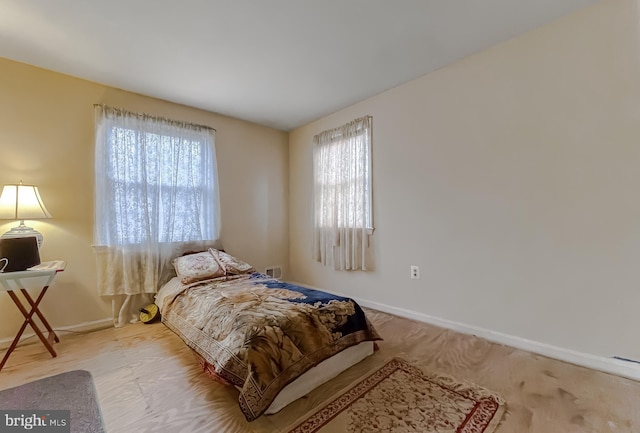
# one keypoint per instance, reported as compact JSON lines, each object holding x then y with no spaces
{"x":21,"y":202}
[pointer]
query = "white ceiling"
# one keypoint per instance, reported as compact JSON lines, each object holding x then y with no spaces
{"x":280,"y":63}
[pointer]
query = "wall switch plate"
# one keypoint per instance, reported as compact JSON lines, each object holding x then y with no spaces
{"x":415,"y":272}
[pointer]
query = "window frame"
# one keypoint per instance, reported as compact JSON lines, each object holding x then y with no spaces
{"x":337,"y":139}
{"x":109,"y":227}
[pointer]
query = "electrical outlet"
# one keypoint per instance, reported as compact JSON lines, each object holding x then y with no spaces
{"x":415,"y":272}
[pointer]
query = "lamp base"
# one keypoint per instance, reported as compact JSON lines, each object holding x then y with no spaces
{"x":23,"y":231}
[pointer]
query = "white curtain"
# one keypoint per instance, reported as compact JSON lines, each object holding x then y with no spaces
{"x":342,"y":195}
{"x":156,"y":196}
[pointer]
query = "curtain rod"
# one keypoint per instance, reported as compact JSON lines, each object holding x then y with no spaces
{"x":149,"y":116}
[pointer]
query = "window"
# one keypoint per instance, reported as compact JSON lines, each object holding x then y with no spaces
{"x":155,"y":180}
{"x":342,"y":194}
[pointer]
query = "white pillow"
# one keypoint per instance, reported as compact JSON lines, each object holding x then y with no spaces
{"x":198,"y":266}
{"x":231,"y":265}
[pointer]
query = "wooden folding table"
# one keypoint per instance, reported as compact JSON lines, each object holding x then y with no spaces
{"x":14,"y":282}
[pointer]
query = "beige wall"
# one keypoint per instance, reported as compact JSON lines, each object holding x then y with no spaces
{"x":46,"y":138}
{"x":512,"y":178}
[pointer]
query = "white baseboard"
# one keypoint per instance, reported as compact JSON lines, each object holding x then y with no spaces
{"x":81,"y":327}
{"x":618,"y":367}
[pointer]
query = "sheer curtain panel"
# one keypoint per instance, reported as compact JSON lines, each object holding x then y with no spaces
{"x":156,"y":196}
{"x":342,"y":195}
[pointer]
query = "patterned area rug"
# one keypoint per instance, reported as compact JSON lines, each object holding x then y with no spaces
{"x":401,"y":397}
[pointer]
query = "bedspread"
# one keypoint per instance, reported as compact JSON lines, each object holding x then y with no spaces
{"x":260,"y":334}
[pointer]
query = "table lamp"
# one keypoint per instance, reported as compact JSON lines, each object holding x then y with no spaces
{"x":21,"y":202}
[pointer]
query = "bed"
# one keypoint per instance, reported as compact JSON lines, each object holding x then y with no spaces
{"x":273,"y":340}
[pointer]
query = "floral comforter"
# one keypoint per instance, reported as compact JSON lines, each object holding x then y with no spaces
{"x":260,"y":334}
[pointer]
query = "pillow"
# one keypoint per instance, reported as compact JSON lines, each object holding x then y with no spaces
{"x":198,"y":266}
{"x":232,"y":265}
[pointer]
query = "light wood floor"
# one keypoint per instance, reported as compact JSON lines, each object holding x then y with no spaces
{"x":148,"y":381}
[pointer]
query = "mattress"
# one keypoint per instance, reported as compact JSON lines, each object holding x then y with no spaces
{"x":321,"y":373}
